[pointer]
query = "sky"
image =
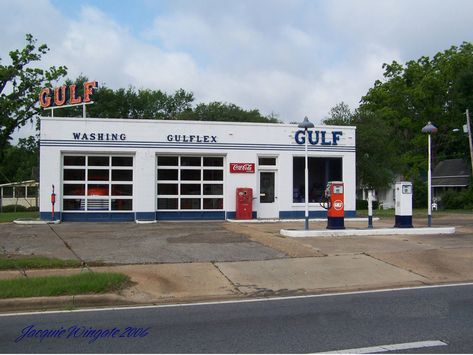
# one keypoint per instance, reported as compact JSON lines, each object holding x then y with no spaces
{"x":290,"y":58}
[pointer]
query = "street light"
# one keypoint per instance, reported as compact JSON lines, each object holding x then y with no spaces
{"x":306,"y":124}
{"x":429,"y":129}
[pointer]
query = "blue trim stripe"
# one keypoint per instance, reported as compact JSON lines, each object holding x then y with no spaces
{"x":172,"y":215}
{"x":167,"y":145}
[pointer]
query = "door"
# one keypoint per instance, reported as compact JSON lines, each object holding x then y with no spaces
{"x":268,"y":206}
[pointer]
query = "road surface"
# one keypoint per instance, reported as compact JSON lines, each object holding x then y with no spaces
{"x":431,"y":319}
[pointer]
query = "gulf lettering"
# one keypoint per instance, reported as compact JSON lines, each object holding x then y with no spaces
{"x":192,"y":138}
{"x":318,"y":137}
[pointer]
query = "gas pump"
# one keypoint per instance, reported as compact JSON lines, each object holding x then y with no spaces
{"x":333,"y":201}
{"x":403,"y":210}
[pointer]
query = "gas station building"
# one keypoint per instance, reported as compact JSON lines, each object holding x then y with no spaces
{"x":130,"y":169}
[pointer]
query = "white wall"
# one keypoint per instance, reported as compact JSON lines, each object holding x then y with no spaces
{"x":238,"y":142}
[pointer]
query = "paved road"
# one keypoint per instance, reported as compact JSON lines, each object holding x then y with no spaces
{"x":287,"y":325}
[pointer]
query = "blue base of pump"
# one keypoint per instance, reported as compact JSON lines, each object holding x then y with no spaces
{"x":335,"y":223}
{"x":403,"y":222}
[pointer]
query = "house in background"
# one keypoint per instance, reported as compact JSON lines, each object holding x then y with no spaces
{"x":24,"y":193}
{"x":450,"y":174}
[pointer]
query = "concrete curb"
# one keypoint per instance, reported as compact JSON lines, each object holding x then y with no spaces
{"x":352,"y":232}
{"x":35,"y":221}
{"x":62,"y":302}
{"x":354,"y":219}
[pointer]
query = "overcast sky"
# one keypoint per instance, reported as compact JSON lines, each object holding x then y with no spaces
{"x":292,"y":58}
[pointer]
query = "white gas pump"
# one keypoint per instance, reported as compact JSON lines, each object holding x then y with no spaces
{"x":403,"y":210}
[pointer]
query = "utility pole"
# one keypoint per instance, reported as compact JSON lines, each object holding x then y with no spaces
{"x":469,"y":138}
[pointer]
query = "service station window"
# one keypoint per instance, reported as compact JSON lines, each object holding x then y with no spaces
{"x":97,"y":183}
{"x":189,"y":183}
{"x":321,"y":171}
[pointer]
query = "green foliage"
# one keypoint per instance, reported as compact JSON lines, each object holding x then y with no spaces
{"x":13,"y":208}
{"x":156,"y":104}
{"x":83,"y":283}
{"x":339,"y":115}
{"x":20,"y":85}
{"x":35,"y":262}
{"x":363,"y":205}
{"x":454,"y":200}
{"x":20,"y":162}
{"x":437,"y":89}
{"x":217,"y":111}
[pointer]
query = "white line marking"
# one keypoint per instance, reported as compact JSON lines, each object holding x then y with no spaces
{"x":390,"y":347}
{"x":250,"y":300}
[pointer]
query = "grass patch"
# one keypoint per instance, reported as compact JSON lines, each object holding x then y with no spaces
{"x":34,"y":262}
{"x":83,"y":283}
{"x":11,"y":216}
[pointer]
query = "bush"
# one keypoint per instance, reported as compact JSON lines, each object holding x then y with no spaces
{"x":454,"y":200}
{"x":363,"y":205}
{"x":13,"y":208}
{"x":33,"y":208}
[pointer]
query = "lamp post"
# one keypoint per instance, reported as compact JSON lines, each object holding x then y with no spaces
{"x":306,"y":124}
{"x":429,"y":128}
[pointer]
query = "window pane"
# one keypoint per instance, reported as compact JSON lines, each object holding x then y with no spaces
{"x":74,"y":189}
{"x":97,"y":175}
{"x":190,"y":189}
{"x":190,"y":203}
{"x":74,"y":174}
{"x":190,"y":161}
{"x":20,"y":191}
{"x":122,"y":204}
{"x":321,"y":171}
{"x":122,"y":190}
{"x":215,"y":175}
{"x":73,"y":205}
{"x":190,"y":174}
{"x":168,"y":161}
{"x":167,"y":203}
{"x":167,"y":174}
{"x":122,"y":161}
{"x":266,"y":161}
{"x":98,"y":161}
{"x":97,"y":204}
{"x":213,"y":161}
{"x":167,"y":189}
{"x":74,"y":160}
{"x":213,"y":203}
{"x":97,"y":190}
{"x":122,"y":175}
{"x":8,"y":192}
{"x":213,"y":189}
{"x":32,"y":191}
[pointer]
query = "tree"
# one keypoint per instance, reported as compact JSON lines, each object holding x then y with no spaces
{"x":375,"y":155}
{"x":340,"y":115}
{"x":131,"y":103}
{"x":19,"y":88}
{"x":156,"y":104}
{"x":227,"y":112}
{"x":20,"y":162}
{"x":437,"y":89}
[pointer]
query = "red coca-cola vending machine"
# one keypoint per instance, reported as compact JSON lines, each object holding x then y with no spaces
{"x":244,"y":203}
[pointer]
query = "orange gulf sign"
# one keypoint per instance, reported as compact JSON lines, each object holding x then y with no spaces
{"x":63,"y":95}
{"x":337,"y":200}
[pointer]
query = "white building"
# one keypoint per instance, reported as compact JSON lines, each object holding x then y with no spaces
{"x":127,"y":169}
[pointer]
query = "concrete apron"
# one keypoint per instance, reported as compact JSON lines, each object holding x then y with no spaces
{"x":378,"y":231}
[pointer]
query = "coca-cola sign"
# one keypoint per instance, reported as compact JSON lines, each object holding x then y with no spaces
{"x":242,"y":168}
